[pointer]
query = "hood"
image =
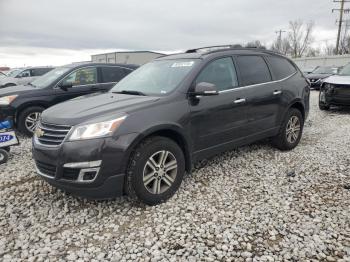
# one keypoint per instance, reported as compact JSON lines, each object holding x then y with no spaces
{"x":338,"y":80}
{"x":102,"y":107}
{"x":15,"y":90}
{"x":317,"y":76}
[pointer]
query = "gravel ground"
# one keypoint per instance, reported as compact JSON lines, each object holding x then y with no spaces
{"x":251,"y":204}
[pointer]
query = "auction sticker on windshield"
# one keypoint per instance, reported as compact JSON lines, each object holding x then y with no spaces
{"x":183,"y":64}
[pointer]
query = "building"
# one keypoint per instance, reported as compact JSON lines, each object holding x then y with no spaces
{"x":127,"y":57}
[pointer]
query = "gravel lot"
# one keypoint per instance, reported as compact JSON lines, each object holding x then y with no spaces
{"x":251,"y":204}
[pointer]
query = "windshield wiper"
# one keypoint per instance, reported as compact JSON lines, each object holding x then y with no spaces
{"x":130,"y":92}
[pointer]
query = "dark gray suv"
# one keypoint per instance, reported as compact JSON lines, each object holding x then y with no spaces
{"x":142,"y":136}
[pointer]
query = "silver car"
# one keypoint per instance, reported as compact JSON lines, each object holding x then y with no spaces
{"x":22,"y":76}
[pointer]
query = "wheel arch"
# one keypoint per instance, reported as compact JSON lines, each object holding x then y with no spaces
{"x":297,"y":104}
{"x":27,"y":105}
{"x":172,"y":132}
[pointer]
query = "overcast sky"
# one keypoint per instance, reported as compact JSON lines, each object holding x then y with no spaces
{"x":55,"y":32}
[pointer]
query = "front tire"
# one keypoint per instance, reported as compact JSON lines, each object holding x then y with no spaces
{"x":321,"y":102}
{"x":291,"y":131}
{"x":28,"y":120}
{"x":155,"y":171}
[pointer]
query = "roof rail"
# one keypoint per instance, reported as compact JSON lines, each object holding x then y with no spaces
{"x":210,"y":48}
{"x":218,"y":48}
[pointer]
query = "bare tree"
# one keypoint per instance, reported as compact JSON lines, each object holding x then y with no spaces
{"x":329,"y":49}
{"x":344,"y":46}
{"x":256,"y":44}
{"x":300,"y":37}
{"x":281,"y":45}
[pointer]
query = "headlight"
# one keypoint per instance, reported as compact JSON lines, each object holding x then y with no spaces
{"x":96,"y":130}
{"x":6,"y":100}
{"x":327,"y":85}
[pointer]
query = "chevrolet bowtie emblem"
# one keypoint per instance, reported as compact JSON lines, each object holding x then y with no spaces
{"x":39,"y":132}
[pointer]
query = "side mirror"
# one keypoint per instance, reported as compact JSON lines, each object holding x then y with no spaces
{"x":205,"y":89}
{"x":65,"y":85}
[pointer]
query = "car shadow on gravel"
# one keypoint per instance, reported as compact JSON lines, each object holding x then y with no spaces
{"x":339,"y":110}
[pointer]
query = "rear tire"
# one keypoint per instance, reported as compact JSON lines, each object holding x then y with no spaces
{"x":155,"y":171}
{"x":28,"y":119}
{"x":4,"y":156}
{"x":291,"y":131}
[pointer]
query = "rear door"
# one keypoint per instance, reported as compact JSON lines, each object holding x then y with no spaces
{"x":262,"y":95}
{"x":218,"y":121}
{"x":110,"y":75}
{"x":83,"y":80}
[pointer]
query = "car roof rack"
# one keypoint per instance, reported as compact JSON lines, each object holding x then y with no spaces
{"x":218,"y":48}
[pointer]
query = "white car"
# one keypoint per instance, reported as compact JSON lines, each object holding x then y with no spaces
{"x":335,"y":90}
{"x":23,"y":76}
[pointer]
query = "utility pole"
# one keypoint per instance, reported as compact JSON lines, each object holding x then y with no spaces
{"x":341,"y":13}
{"x":279,"y":39}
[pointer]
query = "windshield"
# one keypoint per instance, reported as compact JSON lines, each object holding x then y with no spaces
{"x":345,"y":71}
{"x":49,"y":77}
{"x":323,"y":70}
{"x":156,"y":78}
{"x":14,"y":72}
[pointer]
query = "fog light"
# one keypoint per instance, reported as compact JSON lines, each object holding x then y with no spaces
{"x":88,"y":171}
{"x":88,"y":175}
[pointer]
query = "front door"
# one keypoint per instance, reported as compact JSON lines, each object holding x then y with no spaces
{"x":83,"y":80}
{"x":219,"y":120}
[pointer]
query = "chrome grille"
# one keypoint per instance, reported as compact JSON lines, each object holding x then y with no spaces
{"x":52,"y":135}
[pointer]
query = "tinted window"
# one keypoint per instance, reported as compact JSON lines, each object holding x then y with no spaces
{"x":84,"y":76}
{"x":253,"y":70}
{"x":281,"y":67}
{"x":112,"y":74}
{"x":40,"y":71}
{"x":221,"y":73}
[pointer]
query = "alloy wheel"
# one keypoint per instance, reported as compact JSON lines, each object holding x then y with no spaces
{"x":293,"y":129}
{"x":160,"y":172}
{"x":31,"y":121}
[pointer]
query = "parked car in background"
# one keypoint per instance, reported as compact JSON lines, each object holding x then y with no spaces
{"x":335,"y":90}
{"x":140,"y":137}
{"x":2,"y":75}
{"x":319,"y":74}
{"x":23,"y":76}
{"x":308,"y":70}
{"x":24,"y":103}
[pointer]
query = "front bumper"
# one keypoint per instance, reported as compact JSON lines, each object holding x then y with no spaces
{"x":62,"y":166}
{"x":336,"y":95}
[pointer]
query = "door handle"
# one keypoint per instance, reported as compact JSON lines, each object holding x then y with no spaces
{"x":240,"y":101}
{"x":277,"y":92}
